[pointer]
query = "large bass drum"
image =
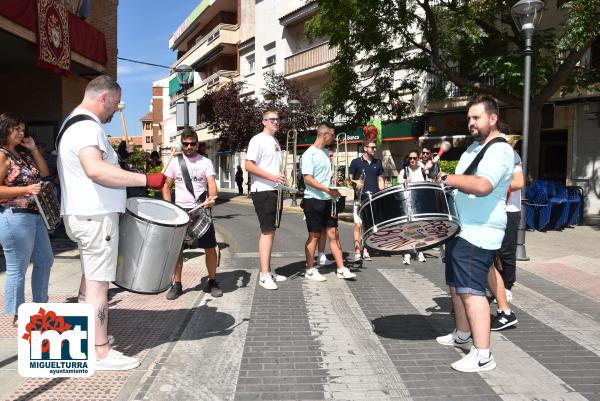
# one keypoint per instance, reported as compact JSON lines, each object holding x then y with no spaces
{"x":151,"y":234}
{"x":408,"y":218}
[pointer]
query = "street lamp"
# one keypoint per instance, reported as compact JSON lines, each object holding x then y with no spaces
{"x":295,"y":108}
{"x":527,"y":15}
{"x":185,"y":76}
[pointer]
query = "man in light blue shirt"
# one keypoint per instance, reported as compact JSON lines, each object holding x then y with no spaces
{"x":316,"y":168}
{"x":481,"y":205}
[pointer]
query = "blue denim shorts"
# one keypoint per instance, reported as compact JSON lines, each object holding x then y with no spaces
{"x":467,"y":266}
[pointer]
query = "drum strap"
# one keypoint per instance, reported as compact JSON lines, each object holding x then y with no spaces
{"x":71,"y":121}
{"x":473,"y":166}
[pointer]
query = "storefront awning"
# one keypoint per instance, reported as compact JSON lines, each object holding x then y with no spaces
{"x":403,"y":131}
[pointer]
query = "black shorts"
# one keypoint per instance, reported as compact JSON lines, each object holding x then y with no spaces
{"x":265,"y":205}
{"x":318,"y":215}
{"x":208,"y":239}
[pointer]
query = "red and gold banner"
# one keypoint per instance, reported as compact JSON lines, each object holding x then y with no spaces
{"x":54,"y":50}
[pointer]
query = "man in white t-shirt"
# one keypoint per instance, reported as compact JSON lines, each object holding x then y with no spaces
{"x":414,"y":172}
{"x":202,"y":178}
{"x":93,"y":195}
{"x":263,"y":162}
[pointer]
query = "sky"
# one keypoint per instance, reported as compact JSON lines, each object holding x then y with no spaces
{"x":143,"y":31}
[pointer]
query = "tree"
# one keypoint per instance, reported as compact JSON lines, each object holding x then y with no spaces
{"x":473,"y":44}
{"x":238,"y":119}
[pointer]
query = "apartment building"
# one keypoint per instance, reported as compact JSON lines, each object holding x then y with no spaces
{"x":43,"y":97}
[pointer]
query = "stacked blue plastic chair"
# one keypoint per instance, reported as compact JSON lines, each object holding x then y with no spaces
{"x":531,"y":211}
{"x":542,"y":201}
{"x":575,"y":197}
{"x":558,"y":197}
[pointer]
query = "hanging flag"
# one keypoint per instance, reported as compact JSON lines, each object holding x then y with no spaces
{"x":53,"y":47}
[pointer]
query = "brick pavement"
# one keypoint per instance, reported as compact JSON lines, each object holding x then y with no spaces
{"x":368,"y":339}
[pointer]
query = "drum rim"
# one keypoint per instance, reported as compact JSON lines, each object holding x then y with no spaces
{"x":145,"y":220}
{"x":400,"y":188}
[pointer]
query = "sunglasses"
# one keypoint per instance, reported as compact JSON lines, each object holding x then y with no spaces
{"x":186,"y":144}
{"x":425,"y":153}
{"x":371,"y":147}
{"x":413,"y":158}
{"x":273,"y":120}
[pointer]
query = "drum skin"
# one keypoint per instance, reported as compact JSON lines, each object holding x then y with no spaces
{"x":148,"y":252}
{"x":409,"y":218}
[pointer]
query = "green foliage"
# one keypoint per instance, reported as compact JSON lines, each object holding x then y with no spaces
{"x":385,"y":48}
{"x":448,"y":166}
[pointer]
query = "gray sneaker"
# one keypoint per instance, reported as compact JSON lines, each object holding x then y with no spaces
{"x":175,"y":291}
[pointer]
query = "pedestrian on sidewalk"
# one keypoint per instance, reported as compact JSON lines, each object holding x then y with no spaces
{"x":263,"y":161}
{"x":318,"y":199}
{"x":193,"y":174}
{"x":413,"y":172}
{"x":321,"y":256}
{"x":482,"y":178}
{"x":366,"y":172}
{"x":23,"y":234}
{"x":239,"y":180}
{"x":502,"y":278}
{"x":93,"y":195}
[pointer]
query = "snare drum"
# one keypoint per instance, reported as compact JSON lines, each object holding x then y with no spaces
{"x":201,"y":221}
{"x":151,"y":234}
{"x":408,"y":218}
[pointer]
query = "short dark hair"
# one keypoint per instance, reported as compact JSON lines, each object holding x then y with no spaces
{"x":102,"y":83}
{"x":7,"y":121}
{"x":367,"y":141}
{"x":188,"y":133}
{"x":490,"y":105}
{"x":413,"y":151}
{"x":423,"y":148}
{"x":327,"y":124}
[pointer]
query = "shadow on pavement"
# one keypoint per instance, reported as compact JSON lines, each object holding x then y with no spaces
{"x":411,"y":327}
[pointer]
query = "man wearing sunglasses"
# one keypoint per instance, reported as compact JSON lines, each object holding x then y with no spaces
{"x":263,"y":163}
{"x":204,"y":185}
{"x":366,"y":172}
{"x":432,"y":168}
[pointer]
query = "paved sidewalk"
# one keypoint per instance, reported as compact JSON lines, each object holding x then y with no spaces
{"x":369,"y":339}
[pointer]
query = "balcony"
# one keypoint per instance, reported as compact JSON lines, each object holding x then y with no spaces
{"x":317,"y":56}
{"x":211,"y":82}
{"x":225,"y":36}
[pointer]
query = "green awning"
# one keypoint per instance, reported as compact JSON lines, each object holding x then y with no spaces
{"x":391,"y":132}
{"x":174,"y":86}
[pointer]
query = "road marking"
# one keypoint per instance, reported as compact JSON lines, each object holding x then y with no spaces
{"x":518,"y":376}
{"x":357,"y":364}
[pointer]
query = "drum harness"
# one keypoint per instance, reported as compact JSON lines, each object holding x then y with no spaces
{"x":188,"y":183}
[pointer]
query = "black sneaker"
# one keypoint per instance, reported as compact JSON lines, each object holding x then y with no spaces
{"x":214,"y":289}
{"x":175,"y":291}
{"x":501,"y":321}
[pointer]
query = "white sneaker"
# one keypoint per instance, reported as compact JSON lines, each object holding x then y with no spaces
{"x":313,"y":274}
{"x":452,"y":339}
{"x":406,"y":260}
{"x":323,"y":261}
{"x":356,"y":258}
{"x":278,"y":277}
{"x":266,"y":281}
{"x":509,"y":296}
{"x":117,"y":361}
{"x":421,"y":257}
{"x":366,"y":255}
{"x":344,"y":272}
{"x":473,"y":362}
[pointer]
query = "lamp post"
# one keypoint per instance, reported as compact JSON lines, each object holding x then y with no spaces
{"x":185,"y":76}
{"x":527,"y":15}
{"x":295,"y":107}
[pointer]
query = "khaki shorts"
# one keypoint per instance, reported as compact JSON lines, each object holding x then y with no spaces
{"x":97,"y":238}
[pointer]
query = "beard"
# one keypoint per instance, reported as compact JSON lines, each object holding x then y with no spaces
{"x":108,"y":119}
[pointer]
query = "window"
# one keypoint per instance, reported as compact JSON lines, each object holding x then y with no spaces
{"x":148,"y":139}
{"x":250,"y":62}
{"x":147,"y":126}
{"x":270,"y":56}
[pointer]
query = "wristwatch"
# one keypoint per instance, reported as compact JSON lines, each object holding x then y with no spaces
{"x":443,"y":178}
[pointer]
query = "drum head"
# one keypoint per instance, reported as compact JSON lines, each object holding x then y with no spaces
{"x":413,"y":236}
{"x":157,"y":211}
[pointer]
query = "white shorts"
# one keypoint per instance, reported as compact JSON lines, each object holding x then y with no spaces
{"x":97,"y":238}
{"x":355,"y":215}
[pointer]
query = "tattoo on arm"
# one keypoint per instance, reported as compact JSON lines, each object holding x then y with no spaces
{"x":102,"y":314}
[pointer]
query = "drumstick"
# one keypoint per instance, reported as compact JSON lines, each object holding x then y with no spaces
{"x":176,"y":146}
{"x":200,"y":206}
{"x":121,"y":107}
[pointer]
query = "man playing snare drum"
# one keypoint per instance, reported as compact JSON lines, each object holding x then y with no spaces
{"x":202,"y":179}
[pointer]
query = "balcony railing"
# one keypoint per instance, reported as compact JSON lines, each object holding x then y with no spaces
{"x":221,"y":34}
{"x":309,"y":58}
{"x":211,"y":82}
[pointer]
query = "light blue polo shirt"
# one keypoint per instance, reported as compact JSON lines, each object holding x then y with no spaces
{"x":315,"y":162}
{"x":483,"y":218}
